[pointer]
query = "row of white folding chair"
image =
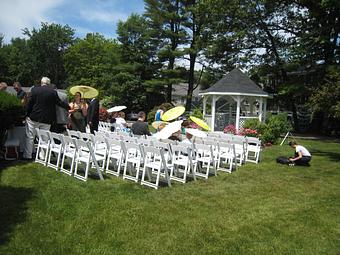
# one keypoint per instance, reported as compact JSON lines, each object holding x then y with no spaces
{"x":66,"y":147}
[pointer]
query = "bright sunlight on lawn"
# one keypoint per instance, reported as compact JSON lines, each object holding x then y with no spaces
{"x":259,"y":209}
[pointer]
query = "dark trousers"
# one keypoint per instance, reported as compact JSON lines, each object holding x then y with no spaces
{"x":302,"y":161}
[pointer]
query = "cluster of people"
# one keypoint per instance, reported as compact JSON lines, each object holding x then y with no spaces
{"x":48,"y":108}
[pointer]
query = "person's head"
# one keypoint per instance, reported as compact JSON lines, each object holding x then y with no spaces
{"x":77,"y":97}
{"x":121,"y":115}
{"x":45,"y":81}
{"x":3,"y":85}
{"x":17,"y":86}
{"x":141,"y":116}
{"x":188,"y":135}
{"x":186,"y":124}
{"x":292,"y":144}
{"x":161,"y":126}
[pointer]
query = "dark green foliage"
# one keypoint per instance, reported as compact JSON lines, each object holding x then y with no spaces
{"x":11,"y":110}
{"x":269,"y":132}
{"x":196,"y":112}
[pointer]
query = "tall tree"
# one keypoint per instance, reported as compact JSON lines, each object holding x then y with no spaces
{"x":165,"y":18}
{"x":48,"y":45}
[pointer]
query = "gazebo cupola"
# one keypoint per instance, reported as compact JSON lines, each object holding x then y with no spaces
{"x":234,"y":99}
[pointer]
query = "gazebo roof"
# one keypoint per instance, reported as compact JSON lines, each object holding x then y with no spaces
{"x":235,"y":83}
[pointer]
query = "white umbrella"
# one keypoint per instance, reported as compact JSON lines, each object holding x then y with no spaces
{"x":116,"y":108}
{"x":169,"y":129}
{"x":196,"y":132}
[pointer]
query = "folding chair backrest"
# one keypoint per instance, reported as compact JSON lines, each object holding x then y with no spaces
{"x":155,"y":154}
{"x":73,"y":133}
{"x":169,"y":141}
{"x":144,"y":142}
{"x":87,"y":137}
{"x":134,"y":147}
{"x":226,"y":137}
{"x":55,"y":137}
{"x":253,"y":141}
{"x":43,"y":135}
{"x":205,"y":149}
{"x":69,"y":141}
{"x":181,"y":149}
{"x":128,"y":139}
{"x":198,"y":140}
{"x":213,"y":134}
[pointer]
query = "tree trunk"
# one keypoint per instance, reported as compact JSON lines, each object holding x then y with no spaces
{"x":191,"y":82}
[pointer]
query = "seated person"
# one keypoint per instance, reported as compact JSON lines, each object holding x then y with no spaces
{"x":302,"y":155}
{"x":121,"y":123}
{"x":140,"y":127}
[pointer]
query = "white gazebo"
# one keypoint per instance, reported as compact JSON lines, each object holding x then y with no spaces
{"x":242,"y":99}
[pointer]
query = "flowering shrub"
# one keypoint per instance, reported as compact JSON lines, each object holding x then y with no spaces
{"x":248,"y":132}
{"x":230,"y":129}
{"x":103,"y":114}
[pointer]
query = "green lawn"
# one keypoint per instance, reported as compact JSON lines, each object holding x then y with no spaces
{"x":259,"y":209}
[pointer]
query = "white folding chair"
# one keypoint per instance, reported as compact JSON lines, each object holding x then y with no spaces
{"x":86,"y":155}
{"x":205,"y":159}
{"x":134,"y":158}
{"x":253,"y":149}
{"x":128,"y":139}
{"x":43,"y":146}
{"x":115,"y":156}
{"x":69,"y":153}
{"x":154,"y":164}
{"x":101,"y":148}
{"x":73,"y":133}
{"x":166,"y":149}
{"x":56,"y":148}
{"x":181,"y":163}
{"x":216,"y":149}
{"x":240,"y":149}
{"x":227,"y":158}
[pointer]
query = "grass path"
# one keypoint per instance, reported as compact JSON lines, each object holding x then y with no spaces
{"x":259,"y":209}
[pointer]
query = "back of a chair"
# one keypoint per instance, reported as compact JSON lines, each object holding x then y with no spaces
{"x":73,"y":133}
{"x":204,"y":150}
{"x":213,"y":134}
{"x":153,"y":154}
{"x":228,"y":138}
{"x":43,"y":135}
{"x":83,"y":148}
{"x":101,"y":145}
{"x":198,"y":140}
{"x":128,"y":139}
{"x":133,"y":148}
{"x":253,"y":141}
{"x":227,"y":148}
{"x":144,"y":142}
{"x":55,"y":137}
{"x":169,"y":141}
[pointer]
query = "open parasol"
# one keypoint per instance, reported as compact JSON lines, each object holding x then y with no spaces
{"x":116,"y":108}
{"x":156,"y":124}
{"x":196,"y":132}
{"x":169,"y":129}
{"x":200,"y":122}
{"x":173,"y":113}
{"x":85,"y":91}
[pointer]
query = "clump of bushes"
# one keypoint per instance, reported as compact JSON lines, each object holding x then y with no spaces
{"x":270,"y":131}
{"x":11,"y":110}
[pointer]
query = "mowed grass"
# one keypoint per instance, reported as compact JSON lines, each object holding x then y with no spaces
{"x":258,"y":209}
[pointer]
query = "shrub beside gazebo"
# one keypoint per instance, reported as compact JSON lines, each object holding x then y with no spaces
{"x":242,"y":98}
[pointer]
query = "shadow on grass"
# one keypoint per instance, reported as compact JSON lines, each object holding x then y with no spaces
{"x":333,"y":156}
{"x":13,"y":209}
{"x":12,"y":204}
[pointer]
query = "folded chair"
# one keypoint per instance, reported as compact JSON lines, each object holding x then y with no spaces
{"x":43,"y":146}
{"x":56,"y":148}
{"x":86,"y":155}
{"x":181,"y":163}
{"x":154,"y":164}
{"x":115,"y":157}
{"x":227,"y":158}
{"x":205,"y":160}
{"x":69,"y":153}
{"x":134,"y":158}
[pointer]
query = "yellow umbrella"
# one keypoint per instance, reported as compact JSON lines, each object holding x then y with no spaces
{"x":156,"y":124}
{"x":200,"y":122}
{"x":173,"y":113}
{"x":86,"y":91}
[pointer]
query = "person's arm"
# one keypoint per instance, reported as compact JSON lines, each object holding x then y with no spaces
{"x":61,"y":103}
{"x":84,"y":109}
{"x":296,"y":158}
{"x":72,"y":110}
{"x":31,"y":101}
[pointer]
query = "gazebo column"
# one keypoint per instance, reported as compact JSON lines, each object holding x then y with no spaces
{"x":264,"y":109}
{"x":260,"y":109}
{"x":204,"y":105}
{"x":213,"y":109}
{"x":238,"y":109}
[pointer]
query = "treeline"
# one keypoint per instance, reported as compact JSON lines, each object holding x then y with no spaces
{"x":291,"y":47}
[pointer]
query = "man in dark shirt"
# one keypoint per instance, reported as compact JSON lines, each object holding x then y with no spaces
{"x":140,"y":127}
{"x":41,"y":112}
{"x":20,"y":93}
{"x":93,"y":115}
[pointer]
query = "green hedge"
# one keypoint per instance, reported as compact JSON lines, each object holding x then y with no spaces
{"x":11,"y":110}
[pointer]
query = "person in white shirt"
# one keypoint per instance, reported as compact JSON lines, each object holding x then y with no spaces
{"x":120,"y":121}
{"x":302,"y":155}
